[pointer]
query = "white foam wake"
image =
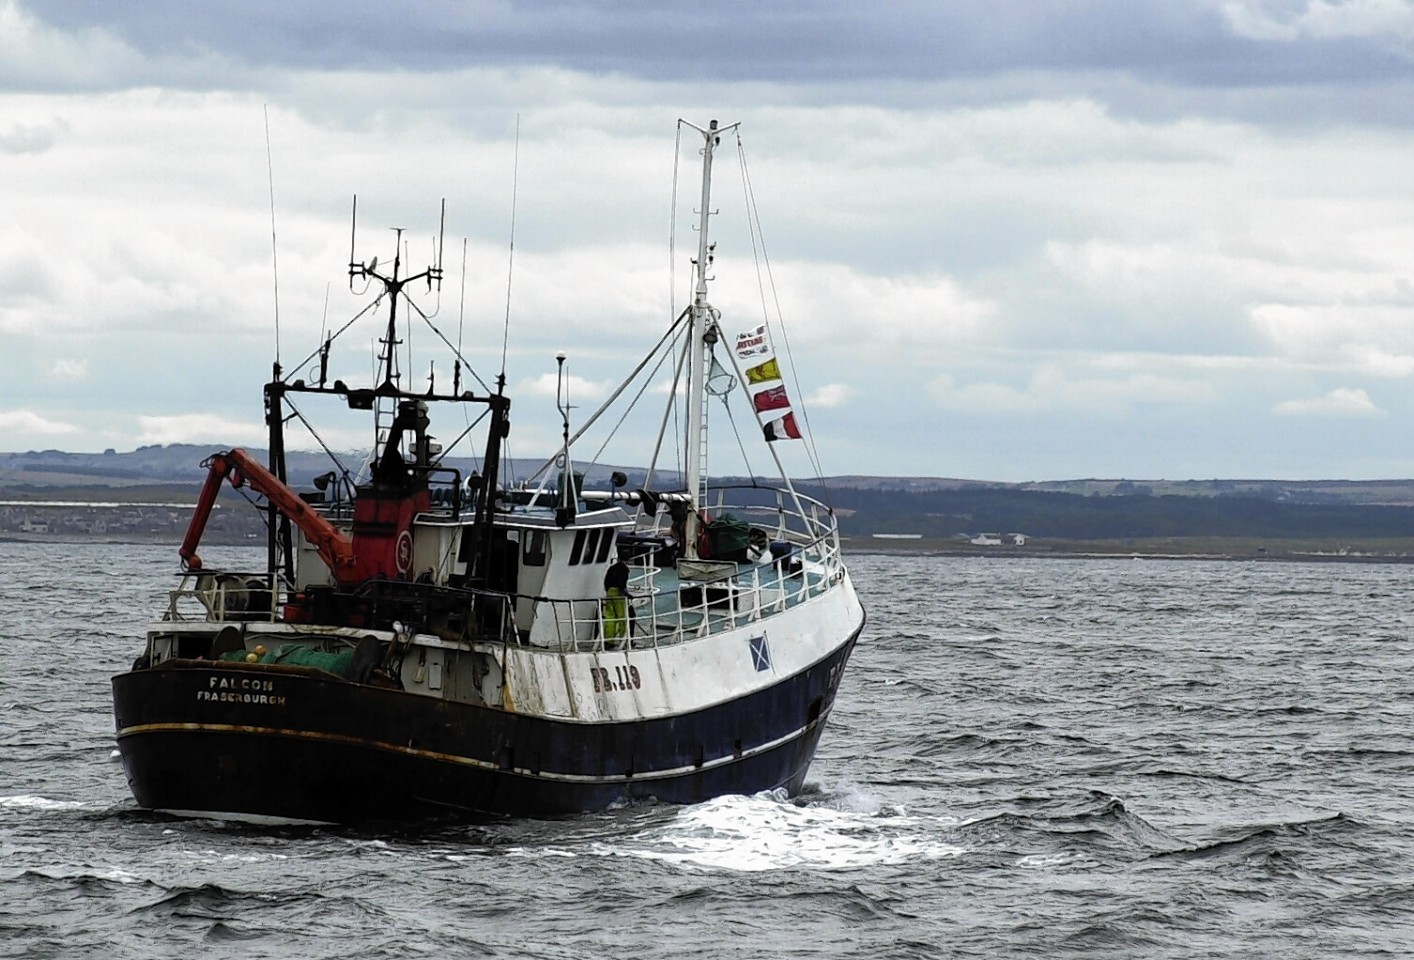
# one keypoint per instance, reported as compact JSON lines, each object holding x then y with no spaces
{"x":34,"y":802}
{"x":769,"y":832}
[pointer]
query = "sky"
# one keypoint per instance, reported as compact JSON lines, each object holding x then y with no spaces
{"x":1015,"y":240}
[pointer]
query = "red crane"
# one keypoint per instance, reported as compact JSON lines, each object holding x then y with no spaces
{"x":335,"y":549}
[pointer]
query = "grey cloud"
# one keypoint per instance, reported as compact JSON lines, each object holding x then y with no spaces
{"x":1167,"y":41}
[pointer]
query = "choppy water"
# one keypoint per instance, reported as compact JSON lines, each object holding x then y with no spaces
{"x":1050,"y":759}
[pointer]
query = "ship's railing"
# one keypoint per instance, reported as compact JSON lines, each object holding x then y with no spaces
{"x":672,"y":604}
{"x":662,"y":607}
{"x":782,"y":514}
{"x":225,"y":595}
{"x":656,"y":613}
{"x":666,"y":604}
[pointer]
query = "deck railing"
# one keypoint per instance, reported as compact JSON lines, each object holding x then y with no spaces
{"x":222,"y":595}
{"x":665,"y":605}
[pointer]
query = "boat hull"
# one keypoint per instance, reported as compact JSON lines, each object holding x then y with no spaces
{"x":250,"y":741}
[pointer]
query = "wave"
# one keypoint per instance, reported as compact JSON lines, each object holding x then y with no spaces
{"x":1097,"y":820}
{"x":85,"y":877}
{"x":1162,"y":772}
{"x":1265,"y":838}
{"x":209,"y":900}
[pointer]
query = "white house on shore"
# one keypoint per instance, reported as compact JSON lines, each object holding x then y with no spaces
{"x":998,"y":539}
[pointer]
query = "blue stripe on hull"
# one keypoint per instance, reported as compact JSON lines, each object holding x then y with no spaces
{"x":334,"y":751}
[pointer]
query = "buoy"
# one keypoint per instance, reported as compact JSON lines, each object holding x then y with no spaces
{"x":260,"y":650}
{"x":252,"y":657}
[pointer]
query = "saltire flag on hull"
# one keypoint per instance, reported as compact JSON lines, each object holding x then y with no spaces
{"x":763,"y":382}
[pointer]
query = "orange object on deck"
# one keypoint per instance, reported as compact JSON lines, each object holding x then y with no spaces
{"x":335,"y":549}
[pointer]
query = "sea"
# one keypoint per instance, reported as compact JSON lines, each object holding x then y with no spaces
{"x":1028,"y":758}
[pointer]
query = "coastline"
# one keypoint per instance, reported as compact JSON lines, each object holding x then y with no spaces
{"x":1393,"y":550}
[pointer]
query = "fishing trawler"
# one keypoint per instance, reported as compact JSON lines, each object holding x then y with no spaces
{"x":429,"y":640}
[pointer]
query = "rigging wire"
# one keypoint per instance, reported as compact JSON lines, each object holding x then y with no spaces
{"x":647,"y":382}
{"x":740,"y":445}
{"x":669,"y":413}
{"x":461,"y":327}
{"x":460,"y":437}
{"x":461,"y":309}
{"x":618,"y":391}
{"x":296,"y":414}
{"x":673,"y":227}
{"x":356,"y":317}
{"x":440,"y":336}
{"x":771,"y":447}
{"x":754,"y":223}
{"x":680,"y":451}
{"x":679,"y":418}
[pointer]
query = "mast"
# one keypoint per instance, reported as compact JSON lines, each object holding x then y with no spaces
{"x":486,"y":562}
{"x":279,"y":544}
{"x":389,"y":390}
{"x":701,"y":334}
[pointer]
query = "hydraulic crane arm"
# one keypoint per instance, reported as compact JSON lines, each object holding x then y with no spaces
{"x":241,"y":469}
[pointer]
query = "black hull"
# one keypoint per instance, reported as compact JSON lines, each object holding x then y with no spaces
{"x":245,"y":740}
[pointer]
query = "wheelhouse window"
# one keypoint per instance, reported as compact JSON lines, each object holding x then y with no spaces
{"x":591,"y":546}
{"x":533,"y":554}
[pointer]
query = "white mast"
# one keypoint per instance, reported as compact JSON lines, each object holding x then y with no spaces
{"x":700,"y":324}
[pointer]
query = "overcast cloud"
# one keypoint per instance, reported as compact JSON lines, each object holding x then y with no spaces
{"x":1011,"y":241}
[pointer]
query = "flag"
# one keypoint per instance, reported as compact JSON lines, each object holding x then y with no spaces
{"x":782,"y":429}
{"x":753,"y":343}
{"x":772,"y":398}
{"x":769,"y":398}
{"x":761,"y":373}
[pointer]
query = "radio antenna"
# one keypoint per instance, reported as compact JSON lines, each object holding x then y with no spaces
{"x":441,"y":236}
{"x":510,"y":262}
{"x":461,"y":325}
{"x":353,"y":235}
{"x":274,"y":249}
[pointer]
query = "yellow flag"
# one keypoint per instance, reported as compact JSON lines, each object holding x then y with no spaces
{"x":763,"y":372}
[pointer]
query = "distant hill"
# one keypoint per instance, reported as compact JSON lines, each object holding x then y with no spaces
{"x":145,"y":466}
{"x":1371,"y":492}
{"x":931,"y":507}
{"x":45,"y":472}
{"x":1262,"y":513}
